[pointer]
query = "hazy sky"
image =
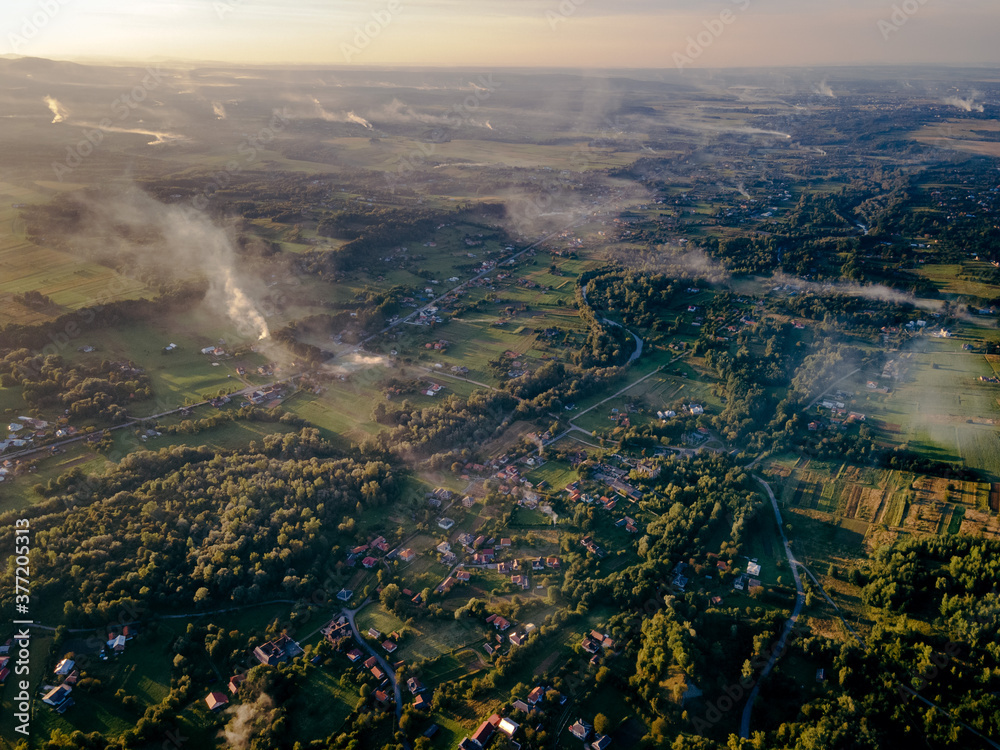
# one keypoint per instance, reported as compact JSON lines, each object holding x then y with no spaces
{"x":561,"y":33}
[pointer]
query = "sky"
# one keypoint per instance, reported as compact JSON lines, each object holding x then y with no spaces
{"x":509,"y":33}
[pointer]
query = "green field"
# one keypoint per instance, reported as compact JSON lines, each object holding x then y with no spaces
{"x":428,"y":640}
{"x":70,"y":282}
{"x":939,"y":408}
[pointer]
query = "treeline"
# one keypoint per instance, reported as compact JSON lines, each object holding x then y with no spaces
{"x":188,"y":527}
{"x":49,"y":382}
{"x":556,"y":384}
{"x":453,"y":422}
{"x":606,"y":345}
{"x":54,"y":336}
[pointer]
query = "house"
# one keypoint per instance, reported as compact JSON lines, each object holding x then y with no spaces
{"x":354,"y":654}
{"x":407,"y":555}
{"x":444,"y":548}
{"x":538,"y":564}
{"x":505,"y":542}
{"x":382,"y":697}
{"x":414,"y":685}
{"x":508,"y":727}
{"x":446,"y":523}
{"x":64,"y":667}
{"x":216,"y":701}
{"x":485,"y":557}
{"x":520,"y":705}
{"x":536,"y":696}
{"x":117,"y":644}
{"x":389,"y":646}
{"x":601,"y":742}
{"x":501,"y":624}
{"x":468,"y":501}
{"x":421,"y":703}
{"x":552,"y":562}
{"x":753,"y":569}
{"x":235,"y":681}
{"x":377,"y":673}
{"x":521,"y":581}
{"x":518,"y":639}
{"x":345,"y":595}
{"x":581,"y":730}
{"x":369,"y":562}
{"x":463,"y":575}
{"x":279,"y":650}
{"x":487,"y":729}
{"x":59,"y":696}
{"x":374,"y":634}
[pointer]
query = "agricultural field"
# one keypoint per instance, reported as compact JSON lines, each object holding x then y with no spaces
{"x":18,"y":491}
{"x":70,"y":282}
{"x":937,"y":405}
{"x":855,"y":503}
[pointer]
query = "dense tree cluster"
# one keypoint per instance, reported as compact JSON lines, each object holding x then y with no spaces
{"x":48,"y":382}
{"x":185,"y":527}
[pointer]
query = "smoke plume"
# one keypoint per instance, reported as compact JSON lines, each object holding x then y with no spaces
{"x":966,"y":105}
{"x":59,"y":113}
{"x":174,"y":241}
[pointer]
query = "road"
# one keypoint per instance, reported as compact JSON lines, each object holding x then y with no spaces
{"x":133,"y":421}
{"x":383,"y":664}
{"x":477,"y":277}
{"x":573,"y":428}
{"x":829,"y":388}
{"x":800,"y":600}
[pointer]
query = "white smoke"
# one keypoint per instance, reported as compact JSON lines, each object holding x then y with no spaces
{"x":966,"y":105}
{"x":59,"y":113}
{"x":339,"y":117}
{"x":249,"y":720}
{"x":823,"y":89}
{"x":351,"y":117}
{"x":176,"y":240}
{"x":355,"y":361}
{"x":220,"y":110}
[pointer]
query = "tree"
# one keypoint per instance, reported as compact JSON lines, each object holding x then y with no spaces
{"x":602,"y":725}
{"x":390,"y":594}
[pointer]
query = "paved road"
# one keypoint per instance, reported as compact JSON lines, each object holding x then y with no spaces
{"x":572,"y":427}
{"x":133,"y":421}
{"x":477,"y":277}
{"x":383,"y":664}
{"x":800,"y":600}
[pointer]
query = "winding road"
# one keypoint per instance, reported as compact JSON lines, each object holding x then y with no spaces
{"x":800,"y":600}
{"x":383,"y":664}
